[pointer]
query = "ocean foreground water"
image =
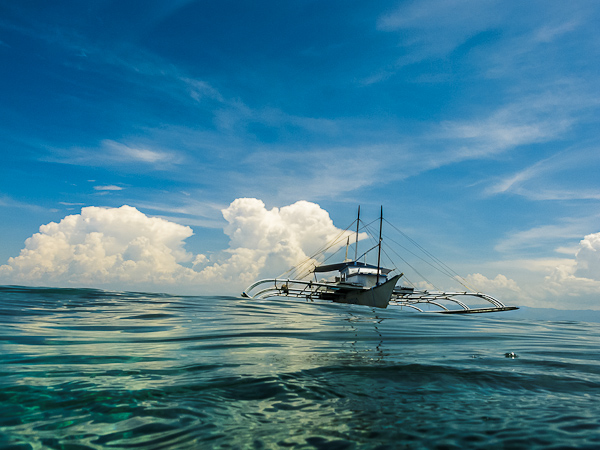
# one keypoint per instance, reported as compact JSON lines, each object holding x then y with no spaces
{"x":89,"y":369}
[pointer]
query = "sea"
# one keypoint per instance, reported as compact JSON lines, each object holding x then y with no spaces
{"x":92,"y":369}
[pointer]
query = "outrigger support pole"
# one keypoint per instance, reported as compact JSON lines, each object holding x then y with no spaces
{"x":401,"y":297}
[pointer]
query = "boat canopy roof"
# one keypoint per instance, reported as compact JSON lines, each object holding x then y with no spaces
{"x":341,"y":266}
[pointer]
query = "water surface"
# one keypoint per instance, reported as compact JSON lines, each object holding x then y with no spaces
{"x":89,"y":369}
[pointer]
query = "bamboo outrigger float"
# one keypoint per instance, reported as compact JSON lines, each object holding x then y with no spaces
{"x":364,"y":284}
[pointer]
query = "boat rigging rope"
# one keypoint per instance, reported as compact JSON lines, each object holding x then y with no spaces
{"x":406,"y":262}
{"x":301,"y":270}
{"x":298,"y":268}
{"x":444,"y":268}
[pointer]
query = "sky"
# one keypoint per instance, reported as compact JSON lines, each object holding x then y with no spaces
{"x":194,"y":146}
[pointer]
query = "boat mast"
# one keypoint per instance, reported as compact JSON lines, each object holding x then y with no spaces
{"x":379,"y":252}
{"x":357,"y":224}
{"x":347,"y":244}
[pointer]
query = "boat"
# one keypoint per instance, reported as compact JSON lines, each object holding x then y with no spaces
{"x":360,"y":283}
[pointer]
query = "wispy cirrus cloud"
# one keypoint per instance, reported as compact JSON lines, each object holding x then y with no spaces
{"x":111,"y":187}
{"x":515,"y":125}
{"x":535,"y":119}
{"x":530,"y":119}
{"x":439,"y":26}
{"x":551,"y":32}
{"x":504,"y":41}
{"x":9,"y":202}
{"x":544,"y":236}
{"x":113,"y":153}
{"x":557,"y":177}
{"x":125,"y":152}
{"x":513,"y":182}
{"x":157,"y":77}
{"x":322,"y":172}
{"x":191,"y":209}
{"x":232,"y":126}
{"x":526,"y":54}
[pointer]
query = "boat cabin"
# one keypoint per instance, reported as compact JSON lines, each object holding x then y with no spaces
{"x":355,"y":272}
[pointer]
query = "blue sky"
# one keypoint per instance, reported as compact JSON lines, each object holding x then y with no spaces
{"x":475,"y":124}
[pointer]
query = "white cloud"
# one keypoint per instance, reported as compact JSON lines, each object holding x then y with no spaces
{"x":200,"y":89}
{"x":113,"y":153}
{"x":562,"y":283}
{"x":588,"y":257}
{"x":557,"y":177}
{"x":453,"y":20}
{"x":549,"y":33}
{"x":111,"y":187}
{"x":496,"y":286}
{"x":102,"y":246}
{"x":8,"y":202}
{"x":122,"y":248}
{"x":266,"y":243}
{"x":502,"y":41}
{"x":533,"y":119}
{"x":317,"y":170}
{"x":120,"y":152}
{"x":544,"y":235}
{"x":579,"y":282}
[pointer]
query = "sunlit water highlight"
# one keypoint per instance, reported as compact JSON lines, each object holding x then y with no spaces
{"x":87,"y":369}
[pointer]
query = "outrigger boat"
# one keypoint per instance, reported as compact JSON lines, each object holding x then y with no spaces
{"x":371,"y":285}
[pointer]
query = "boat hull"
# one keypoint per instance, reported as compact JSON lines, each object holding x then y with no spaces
{"x":377,"y":296}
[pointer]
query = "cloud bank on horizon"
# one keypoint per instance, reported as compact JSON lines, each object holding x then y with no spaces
{"x":122,"y":248}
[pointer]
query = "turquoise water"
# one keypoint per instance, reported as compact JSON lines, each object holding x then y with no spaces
{"x":88,"y":369}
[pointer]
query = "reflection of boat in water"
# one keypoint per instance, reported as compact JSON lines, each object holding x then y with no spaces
{"x":368,"y":284}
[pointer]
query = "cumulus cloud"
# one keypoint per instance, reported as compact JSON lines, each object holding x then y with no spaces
{"x":581,"y":279}
{"x":268,"y":242}
{"x":122,"y":248}
{"x":101,"y":246}
{"x":501,"y":285}
{"x":562,"y":283}
{"x":588,"y":257}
